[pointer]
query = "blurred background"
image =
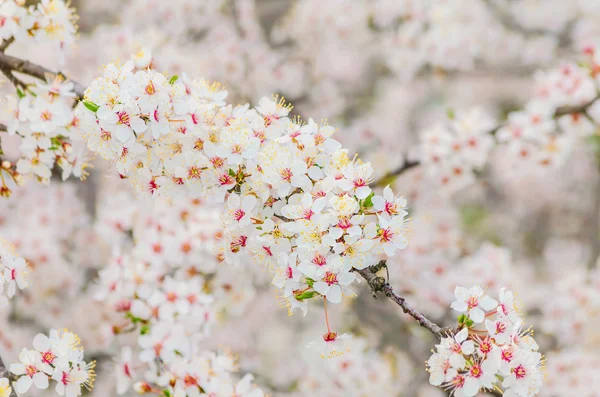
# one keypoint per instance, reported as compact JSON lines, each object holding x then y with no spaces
{"x":384,"y":73}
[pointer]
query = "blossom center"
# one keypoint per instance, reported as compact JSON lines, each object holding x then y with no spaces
{"x":475,"y":371}
{"x":472,"y":302}
{"x":330,"y":278}
{"x":520,"y":372}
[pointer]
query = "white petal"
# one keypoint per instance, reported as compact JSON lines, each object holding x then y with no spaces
{"x":488,"y":303}
{"x":23,"y":384}
{"x":321,"y":287}
{"x":436,"y":378}
{"x":40,"y":380}
{"x":471,"y":387}
{"x":41,"y":343}
{"x":477,"y":315}
{"x":334,"y":295}
{"x":468,"y":347}
{"x":459,"y":306}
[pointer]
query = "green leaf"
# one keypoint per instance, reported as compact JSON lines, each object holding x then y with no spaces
{"x":91,"y":106}
{"x":462,"y":318}
{"x":470,"y":323}
{"x":173,"y":79}
{"x":133,"y":318}
{"x":450,"y":113}
{"x":144,"y":330}
{"x":368,"y":202}
{"x":231,"y":172}
{"x":306,"y":295}
{"x":20,"y":93}
{"x":309,"y":281}
{"x":167,"y":393}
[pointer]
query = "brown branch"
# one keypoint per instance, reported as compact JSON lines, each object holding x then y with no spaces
{"x":407,"y":165}
{"x":6,"y":43}
{"x":4,"y":373}
{"x":379,"y":284}
{"x":12,"y":65}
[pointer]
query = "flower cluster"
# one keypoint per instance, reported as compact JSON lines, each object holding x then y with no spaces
{"x":42,"y":116}
{"x":49,"y":22}
{"x":297,"y":203}
{"x":542,"y":135}
{"x":360,"y":372}
{"x":13,"y":272}
{"x":167,"y":288}
{"x":491,"y":350}
{"x":452,"y":151}
{"x":206,"y":374}
{"x":57,"y":357}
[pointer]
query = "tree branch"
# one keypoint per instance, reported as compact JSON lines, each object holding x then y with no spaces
{"x":379,"y":284}
{"x":9,"y":64}
{"x":407,"y":165}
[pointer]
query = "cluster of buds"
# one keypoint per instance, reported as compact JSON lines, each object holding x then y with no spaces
{"x":491,"y":350}
{"x":453,"y":151}
{"x":49,"y":21}
{"x":297,"y":204}
{"x":13,"y":272}
{"x":57,"y":357}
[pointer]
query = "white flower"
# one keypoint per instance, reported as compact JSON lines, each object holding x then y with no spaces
{"x":240,"y":210}
{"x":331,"y":344}
{"x":29,"y":372}
{"x":333,"y":283}
{"x":124,"y":370}
{"x":122,"y":121}
{"x":459,"y":346}
{"x":5,"y":388}
{"x":524,"y":377}
{"x":480,"y":375}
{"x":474,"y":302}
{"x":389,"y":203}
{"x":15,"y":270}
{"x":439,"y":367}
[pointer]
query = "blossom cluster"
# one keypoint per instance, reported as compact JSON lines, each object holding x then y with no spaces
{"x":542,"y":135}
{"x":360,"y":372}
{"x":204,"y":374}
{"x":48,"y":22}
{"x":297,"y":204}
{"x":42,"y":116}
{"x":13,"y":272}
{"x":58,"y":357}
{"x":167,"y":289}
{"x":491,"y":350}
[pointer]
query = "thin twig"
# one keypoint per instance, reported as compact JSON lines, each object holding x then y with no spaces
{"x":6,"y":43}
{"x":407,"y":165}
{"x":379,"y":284}
{"x":5,"y":374}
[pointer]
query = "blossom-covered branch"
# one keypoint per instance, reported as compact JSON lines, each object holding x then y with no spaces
{"x":10,"y":64}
